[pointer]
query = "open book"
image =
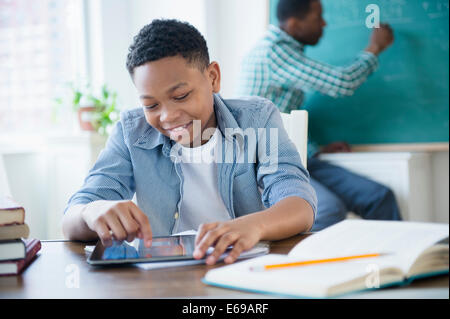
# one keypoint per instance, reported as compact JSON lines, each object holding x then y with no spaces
{"x":410,"y":250}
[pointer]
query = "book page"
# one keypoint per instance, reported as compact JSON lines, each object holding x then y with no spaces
{"x":313,"y":281}
{"x":404,"y":241}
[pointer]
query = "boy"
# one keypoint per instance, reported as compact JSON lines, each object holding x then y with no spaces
{"x":278,"y":69}
{"x":169,"y":65}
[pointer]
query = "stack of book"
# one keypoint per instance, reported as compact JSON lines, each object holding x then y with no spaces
{"x":16,"y":251}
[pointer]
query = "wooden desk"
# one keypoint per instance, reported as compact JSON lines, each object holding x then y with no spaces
{"x":51,"y":276}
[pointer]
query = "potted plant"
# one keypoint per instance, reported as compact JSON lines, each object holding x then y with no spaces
{"x":96,"y":113}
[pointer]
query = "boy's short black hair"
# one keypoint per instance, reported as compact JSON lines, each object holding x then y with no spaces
{"x":292,"y":8}
{"x":166,"y":38}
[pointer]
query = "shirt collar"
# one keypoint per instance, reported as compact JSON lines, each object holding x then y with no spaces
{"x":225,"y":119}
{"x":277,"y":34}
{"x":151,"y":139}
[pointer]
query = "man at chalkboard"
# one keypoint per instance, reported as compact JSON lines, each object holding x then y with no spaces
{"x":278,"y":69}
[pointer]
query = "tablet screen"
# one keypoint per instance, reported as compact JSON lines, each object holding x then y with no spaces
{"x":162,"y":248}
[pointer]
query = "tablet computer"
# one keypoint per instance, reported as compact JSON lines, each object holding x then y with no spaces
{"x":168,"y":248}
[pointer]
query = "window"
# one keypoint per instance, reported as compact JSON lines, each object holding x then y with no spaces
{"x":41,"y":50}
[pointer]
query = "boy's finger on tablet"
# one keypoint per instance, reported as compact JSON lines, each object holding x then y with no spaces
{"x":238,"y":248}
{"x":221,"y":246}
{"x":129,"y":223}
{"x":130,"y":238}
{"x":116,"y":227}
{"x":103,"y":233}
{"x":208,"y":240}
{"x":202,"y":229}
{"x":144,"y":224}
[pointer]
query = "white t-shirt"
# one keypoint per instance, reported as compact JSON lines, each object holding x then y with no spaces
{"x":201,"y":201}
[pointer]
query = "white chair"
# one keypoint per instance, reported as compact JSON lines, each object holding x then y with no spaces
{"x":4,"y":185}
{"x":296,"y":125}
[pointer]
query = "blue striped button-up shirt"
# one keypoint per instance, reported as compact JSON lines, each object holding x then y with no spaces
{"x":138,"y":160}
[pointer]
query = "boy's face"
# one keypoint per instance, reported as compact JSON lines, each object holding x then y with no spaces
{"x":174,"y":93}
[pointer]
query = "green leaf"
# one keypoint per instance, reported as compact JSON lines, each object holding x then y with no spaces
{"x":76,"y":97}
{"x":105,"y":92}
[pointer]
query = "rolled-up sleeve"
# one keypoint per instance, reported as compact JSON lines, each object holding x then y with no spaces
{"x":280,"y":173}
{"x":111,"y":178}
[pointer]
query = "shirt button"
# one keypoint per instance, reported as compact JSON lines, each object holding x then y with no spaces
{"x":176,"y":215}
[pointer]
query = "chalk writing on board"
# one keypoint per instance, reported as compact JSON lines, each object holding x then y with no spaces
{"x":436,"y":10}
{"x":352,"y":13}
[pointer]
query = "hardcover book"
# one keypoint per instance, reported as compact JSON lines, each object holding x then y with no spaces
{"x":14,"y":231}
{"x":407,"y":251}
{"x":10,"y":211}
{"x":17,"y":266}
{"x":12,"y":249}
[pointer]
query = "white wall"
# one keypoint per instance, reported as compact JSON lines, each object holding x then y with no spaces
{"x":111,"y":26}
{"x":108,"y":38}
{"x":27,"y":181}
{"x":230,"y":27}
{"x":440,"y":186}
{"x":44,"y":173}
{"x":144,"y":11}
{"x":234,"y":26}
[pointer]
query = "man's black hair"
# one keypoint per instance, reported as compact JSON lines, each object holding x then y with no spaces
{"x":167,"y":38}
{"x":292,"y":8}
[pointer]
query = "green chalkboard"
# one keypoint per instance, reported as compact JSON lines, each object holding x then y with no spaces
{"x":407,"y":99}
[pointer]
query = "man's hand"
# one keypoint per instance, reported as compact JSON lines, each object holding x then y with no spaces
{"x":239,"y":232}
{"x":122,"y":220}
{"x":380,"y":39}
{"x":336,"y":147}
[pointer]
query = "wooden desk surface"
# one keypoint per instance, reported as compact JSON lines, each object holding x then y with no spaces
{"x":53,"y":272}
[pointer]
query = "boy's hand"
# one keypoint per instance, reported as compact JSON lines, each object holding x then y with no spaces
{"x":240,"y":233}
{"x":121,"y":219}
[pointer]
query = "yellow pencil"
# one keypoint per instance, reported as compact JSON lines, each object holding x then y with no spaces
{"x":313,"y":262}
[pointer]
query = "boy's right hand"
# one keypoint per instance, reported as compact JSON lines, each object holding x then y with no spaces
{"x":122,"y":220}
{"x":380,"y":39}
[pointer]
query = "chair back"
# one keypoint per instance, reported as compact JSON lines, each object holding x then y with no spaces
{"x":296,"y":125}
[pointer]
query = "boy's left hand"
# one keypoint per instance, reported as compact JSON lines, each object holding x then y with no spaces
{"x":239,"y":232}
